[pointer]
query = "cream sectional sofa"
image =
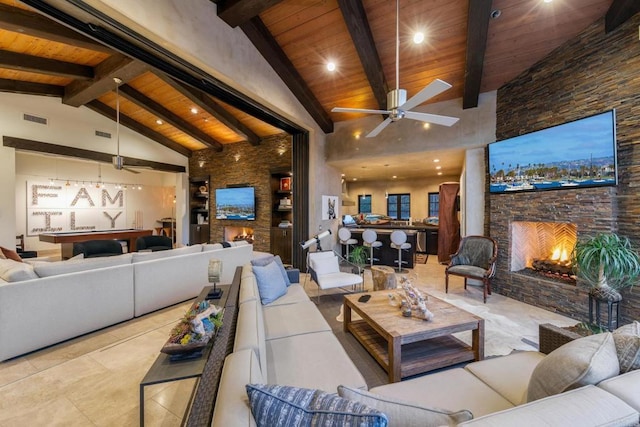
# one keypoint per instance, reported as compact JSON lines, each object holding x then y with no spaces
{"x":287,"y":342}
{"x":49,"y":302}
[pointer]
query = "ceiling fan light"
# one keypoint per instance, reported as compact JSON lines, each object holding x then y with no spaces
{"x":418,"y":37}
{"x":331,"y":66}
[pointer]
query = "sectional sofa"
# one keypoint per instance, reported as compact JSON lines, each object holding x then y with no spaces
{"x":44,"y":303}
{"x":287,"y":343}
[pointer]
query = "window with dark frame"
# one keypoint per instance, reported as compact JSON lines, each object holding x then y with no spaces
{"x":434,"y":204}
{"x":364,"y":203}
{"x":399,"y":206}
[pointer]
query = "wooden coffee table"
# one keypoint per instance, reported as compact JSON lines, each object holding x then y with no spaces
{"x":406,"y":346}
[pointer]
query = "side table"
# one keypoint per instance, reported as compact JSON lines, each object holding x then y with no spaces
{"x":164,"y":370}
{"x":551,"y":337}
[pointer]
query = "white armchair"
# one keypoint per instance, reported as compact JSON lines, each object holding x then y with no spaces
{"x":325,"y":270}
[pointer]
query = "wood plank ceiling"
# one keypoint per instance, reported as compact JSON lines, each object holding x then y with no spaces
{"x":464,"y":46}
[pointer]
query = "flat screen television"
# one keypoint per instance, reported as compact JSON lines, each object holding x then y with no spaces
{"x":573,"y":155}
{"x":236,"y":203}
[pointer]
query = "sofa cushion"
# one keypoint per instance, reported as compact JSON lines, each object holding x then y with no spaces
{"x":405,"y":414}
{"x":508,"y":375}
{"x":46,"y":269}
{"x":271,"y":284}
{"x":295,"y":294}
{"x":453,"y":389}
{"x":148,"y":256}
{"x":211,"y":247}
{"x":586,"y":406}
{"x":250,"y":332}
{"x":232,"y":403}
{"x":584,"y":361}
{"x":627,"y":340}
{"x":293,"y":319}
{"x":315,"y":360}
{"x":14,"y":271}
{"x":248,"y":287}
{"x":277,"y":405}
{"x":262,"y":261}
{"x":10,"y":254}
{"x":624,"y":386}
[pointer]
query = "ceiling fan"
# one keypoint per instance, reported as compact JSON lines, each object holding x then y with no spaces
{"x":397,"y":105}
{"x":118,"y":160}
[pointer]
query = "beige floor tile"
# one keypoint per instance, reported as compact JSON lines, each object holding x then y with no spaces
{"x":55,"y":412}
{"x":155,"y":415}
{"x":176,"y":396}
{"x":15,"y":369}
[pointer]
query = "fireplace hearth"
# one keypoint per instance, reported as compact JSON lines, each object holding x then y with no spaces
{"x":236,"y":234}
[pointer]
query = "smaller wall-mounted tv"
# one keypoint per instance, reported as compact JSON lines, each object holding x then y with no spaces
{"x":236,"y":203}
{"x":572,"y":155}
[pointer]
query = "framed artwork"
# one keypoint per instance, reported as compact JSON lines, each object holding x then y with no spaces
{"x":329,"y":207}
{"x":285,"y":184}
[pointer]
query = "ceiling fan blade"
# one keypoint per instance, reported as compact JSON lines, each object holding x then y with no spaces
{"x":431,"y":118}
{"x":434,"y":88}
{"x":358,"y":110}
{"x":379,"y":128}
{"x":131,"y":170}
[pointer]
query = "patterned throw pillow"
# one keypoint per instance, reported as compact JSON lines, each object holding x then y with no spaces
{"x":627,"y":339}
{"x":276,"y":405}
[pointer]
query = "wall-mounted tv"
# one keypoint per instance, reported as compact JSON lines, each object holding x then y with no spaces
{"x":576,"y":154}
{"x":236,"y":203}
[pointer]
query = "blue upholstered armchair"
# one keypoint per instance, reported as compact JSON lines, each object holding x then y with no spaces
{"x":475,"y":259}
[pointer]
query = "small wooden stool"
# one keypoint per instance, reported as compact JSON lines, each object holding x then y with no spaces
{"x":383,"y":277}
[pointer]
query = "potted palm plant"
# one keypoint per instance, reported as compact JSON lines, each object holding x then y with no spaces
{"x":606,"y":263}
{"x":358,"y":255}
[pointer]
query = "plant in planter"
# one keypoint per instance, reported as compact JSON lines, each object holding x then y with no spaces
{"x":358,"y":255}
{"x":606,"y":263}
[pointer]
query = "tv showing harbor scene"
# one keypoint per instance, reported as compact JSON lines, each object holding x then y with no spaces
{"x":236,"y":203}
{"x":576,"y":154}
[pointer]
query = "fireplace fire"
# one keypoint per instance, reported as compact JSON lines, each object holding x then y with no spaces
{"x":236,"y":234}
{"x":543,"y":248}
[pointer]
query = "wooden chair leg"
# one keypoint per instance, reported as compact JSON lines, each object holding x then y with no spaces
{"x":485,"y":286}
{"x":446,"y":283}
{"x":465,"y":283}
{"x":489,"y":286}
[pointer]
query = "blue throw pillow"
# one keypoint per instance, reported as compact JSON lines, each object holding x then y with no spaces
{"x":271,"y":285}
{"x":262,"y":261}
{"x":276,"y":405}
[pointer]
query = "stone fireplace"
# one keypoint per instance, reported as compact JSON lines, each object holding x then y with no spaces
{"x":543,"y":248}
{"x":235,"y":234}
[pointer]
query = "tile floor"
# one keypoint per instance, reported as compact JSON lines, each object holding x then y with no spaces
{"x":94,"y":380}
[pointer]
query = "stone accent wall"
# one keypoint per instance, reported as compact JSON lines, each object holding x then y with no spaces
{"x":590,"y":74}
{"x":253,"y":168}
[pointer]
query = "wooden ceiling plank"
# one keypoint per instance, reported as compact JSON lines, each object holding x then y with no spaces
{"x":619,"y":12}
{"x":36,"y":64}
{"x":80,"y":153}
{"x":135,"y":126}
{"x":35,"y":25}
{"x":477,"y":32}
{"x":237,"y":12}
{"x":30,"y":88}
{"x":356,"y":19}
{"x":259,"y":35}
{"x":163,"y":113}
{"x":211,"y":107}
{"x":81,"y":92}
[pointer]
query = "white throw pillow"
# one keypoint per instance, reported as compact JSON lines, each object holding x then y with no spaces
{"x":326,"y":265}
{"x":14,"y":271}
{"x":581,"y":362}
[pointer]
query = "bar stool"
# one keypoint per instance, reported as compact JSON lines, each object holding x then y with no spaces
{"x":345,"y":239}
{"x":399,"y":242}
{"x":370,"y":240}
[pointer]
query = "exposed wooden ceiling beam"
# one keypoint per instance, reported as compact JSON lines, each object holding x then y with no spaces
{"x":477,"y":31}
{"x":81,"y":92}
{"x":211,"y":107}
{"x":237,"y":12}
{"x":619,"y":12}
{"x":358,"y":25}
{"x":30,"y":88}
{"x":163,"y":113}
{"x":80,"y":153}
{"x":35,"y":25}
{"x":135,"y":126}
{"x":51,"y":67}
{"x":275,"y":56}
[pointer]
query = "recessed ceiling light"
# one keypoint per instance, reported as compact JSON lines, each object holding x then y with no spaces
{"x":426,"y":125}
{"x":394,"y":177}
{"x":194,"y":110}
{"x":331,"y":66}
{"x":436,"y":160}
{"x":439,"y":173}
{"x":438,"y":168}
{"x":418,"y":37}
{"x":356,"y":135}
{"x":159,"y":122}
{"x":548,"y":1}
{"x":355,"y":179}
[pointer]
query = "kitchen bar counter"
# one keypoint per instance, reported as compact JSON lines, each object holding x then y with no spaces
{"x":386,"y":254}
{"x":427,"y":238}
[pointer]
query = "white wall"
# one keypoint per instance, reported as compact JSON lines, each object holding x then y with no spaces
{"x":472,"y":188}
{"x":73,"y":127}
